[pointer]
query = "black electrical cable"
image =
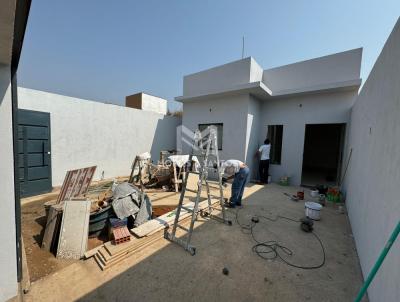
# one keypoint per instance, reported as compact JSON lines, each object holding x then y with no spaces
{"x":271,"y":249}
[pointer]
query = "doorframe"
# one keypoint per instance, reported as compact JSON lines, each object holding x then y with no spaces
{"x":22,"y":8}
{"x":342,"y":144}
{"x":341,"y":149}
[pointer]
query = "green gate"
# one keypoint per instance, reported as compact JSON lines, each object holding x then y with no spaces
{"x":34,"y":152}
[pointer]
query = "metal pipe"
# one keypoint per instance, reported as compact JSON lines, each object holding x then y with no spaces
{"x":378,"y":263}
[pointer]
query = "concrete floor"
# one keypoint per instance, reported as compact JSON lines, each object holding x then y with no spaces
{"x":165,"y":272}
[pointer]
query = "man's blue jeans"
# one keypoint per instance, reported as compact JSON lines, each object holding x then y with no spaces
{"x":238,"y":185}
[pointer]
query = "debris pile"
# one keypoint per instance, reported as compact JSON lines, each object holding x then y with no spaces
{"x":120,"y":212}
{"x":168,"y":174}
{"x":78,"y":213}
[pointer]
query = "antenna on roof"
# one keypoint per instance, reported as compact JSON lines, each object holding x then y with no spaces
{"x":243,"y":47}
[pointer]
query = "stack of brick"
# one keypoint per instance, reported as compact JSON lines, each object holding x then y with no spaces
{"x":121,"y":234}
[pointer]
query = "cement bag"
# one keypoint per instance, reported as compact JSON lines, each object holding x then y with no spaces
{"x":129,"y":201}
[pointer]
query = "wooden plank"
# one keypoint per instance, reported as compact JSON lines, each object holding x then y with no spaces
{"x":50,"y":227}
{"x":158,"y":223}
{"x":115,"y":250}
{"x":98,"y":261}
{"x":66,"y":185}
{"x":105,"y":260}
{"x":116,"y":259}
{"x":165,"y":220}
{"x":175,"y":177}
{"x":87,"y":180}
{"x":106,"y":264}
{"x":104,"y":255}
{"x":92,"y":252}
{"x":76,"y":183}
{"x":74,"y":229}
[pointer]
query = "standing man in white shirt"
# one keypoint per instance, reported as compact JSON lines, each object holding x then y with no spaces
{"x":263,"y":152}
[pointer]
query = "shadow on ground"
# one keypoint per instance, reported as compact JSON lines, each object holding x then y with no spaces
{"x":171,"y":274}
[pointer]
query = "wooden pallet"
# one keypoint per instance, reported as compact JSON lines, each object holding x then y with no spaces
{"x":109,"y":255}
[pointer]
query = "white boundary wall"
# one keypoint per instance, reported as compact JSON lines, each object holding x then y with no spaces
{"x":8,"y":258}
{"x":373,"y":176}
{"x":85,"y":133}
{"x":154,"y":104}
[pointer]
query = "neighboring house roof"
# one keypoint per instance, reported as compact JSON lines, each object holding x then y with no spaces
{"x":337,"y":72}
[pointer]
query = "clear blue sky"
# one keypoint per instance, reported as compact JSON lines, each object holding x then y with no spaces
{"x":105,"y":50}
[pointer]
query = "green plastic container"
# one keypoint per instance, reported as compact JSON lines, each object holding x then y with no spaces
{"x":334,"y":198}
{"x":284,"y":181}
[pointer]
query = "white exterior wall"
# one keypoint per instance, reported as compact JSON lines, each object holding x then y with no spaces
{"x":219,"y":78}
{"x":154,"y":104}
{"x":246,"y":120}
{"x":85,"y":133}
{"x":373,"y":176}
{"x":339,"y":67}
{"x":315,"y":109}
{"x":8,"y":252}
{"x":340,"y":71}
{"x":232,"y":112}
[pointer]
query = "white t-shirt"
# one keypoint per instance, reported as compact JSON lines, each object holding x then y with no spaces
{"x":264,"y":150}
{"x":231,"y":166}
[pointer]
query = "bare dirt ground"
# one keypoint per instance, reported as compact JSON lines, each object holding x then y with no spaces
{"x":40,"y":262}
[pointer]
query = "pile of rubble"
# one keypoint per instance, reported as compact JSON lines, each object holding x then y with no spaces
{"x":113,"y":209}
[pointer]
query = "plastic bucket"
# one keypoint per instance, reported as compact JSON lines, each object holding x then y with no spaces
{"x":314,"y":193}
{"x":313,"y":210}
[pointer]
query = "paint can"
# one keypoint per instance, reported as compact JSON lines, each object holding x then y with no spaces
{"x":313,"y":210}
{"x":314,"y":193}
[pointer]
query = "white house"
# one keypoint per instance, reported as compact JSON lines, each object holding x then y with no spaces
{"x":304,"y":108}
{"x":147,"y":102}
{"x":295,"y":105}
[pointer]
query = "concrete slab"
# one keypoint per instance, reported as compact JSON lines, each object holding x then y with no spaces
{"x":165,"y":272}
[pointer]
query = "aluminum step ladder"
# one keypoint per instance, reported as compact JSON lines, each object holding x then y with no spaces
{"x":210,"y":152}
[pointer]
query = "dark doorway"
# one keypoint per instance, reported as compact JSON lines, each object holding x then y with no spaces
{"x":322,"y":157}
{"x":34,"y":160}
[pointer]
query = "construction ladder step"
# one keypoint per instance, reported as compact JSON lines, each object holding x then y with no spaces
{"x":214,"y":208}
{"x":187,"y":209}
{"x":182,"y":228}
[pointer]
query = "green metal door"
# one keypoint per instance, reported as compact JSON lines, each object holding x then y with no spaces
{"x":34,"y":152}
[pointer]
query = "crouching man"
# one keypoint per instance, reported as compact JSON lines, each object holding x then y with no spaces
{"x":237,"y":170}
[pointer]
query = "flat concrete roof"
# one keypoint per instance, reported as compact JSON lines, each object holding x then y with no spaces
{"x":331,"y":73}
{"x":262,"y":92}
